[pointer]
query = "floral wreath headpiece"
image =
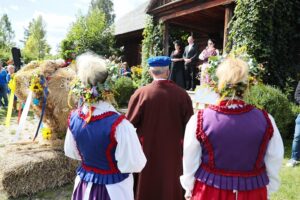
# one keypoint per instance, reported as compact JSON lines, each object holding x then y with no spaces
{"x":256,"y":71}
{"x":91,"y":94}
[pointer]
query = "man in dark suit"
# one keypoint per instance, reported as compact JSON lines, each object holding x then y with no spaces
{"x":190,"y":57}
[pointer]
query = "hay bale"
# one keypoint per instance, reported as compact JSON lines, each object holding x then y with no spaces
{"x":58,"y":80}
{"x":30,"y":168}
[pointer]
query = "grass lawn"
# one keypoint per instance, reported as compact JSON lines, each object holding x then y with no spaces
{"x":290,"y":179}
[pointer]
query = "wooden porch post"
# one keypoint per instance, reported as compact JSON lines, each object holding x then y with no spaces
{"x":228,"y":16}
{"x":166,"y":38}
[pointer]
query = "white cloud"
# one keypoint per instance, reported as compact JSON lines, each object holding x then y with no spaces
{"x":14,"y":7}
{"x":55,"y":22}
{"x":3,"y":10}
{"x":56,"y":27}
{"x":33,"y":1}
{"x":82,"y":4}
{"x":122,"y":7}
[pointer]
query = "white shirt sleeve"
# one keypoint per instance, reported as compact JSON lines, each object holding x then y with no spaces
{"x":129,"y":153}
{"x":201,"y":56}
{"x":192,"y":152}
{"x":273,"y":159}
{"x":70,"y":146}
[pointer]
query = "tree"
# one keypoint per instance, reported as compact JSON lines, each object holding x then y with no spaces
{"x":36,"y":47}
{"x":107,"y":7}
{"x":6,"y":38}
{"x":89,"y":33}
{"x":6,"y":32}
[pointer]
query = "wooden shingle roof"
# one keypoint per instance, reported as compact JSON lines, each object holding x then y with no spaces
{"x":133,"y":21}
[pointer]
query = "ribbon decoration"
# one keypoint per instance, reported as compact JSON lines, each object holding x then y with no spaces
{"x":23,"y":116}
{"x":45,"y":92}
{"x":12,"y":86}
{"x":20,"y":108}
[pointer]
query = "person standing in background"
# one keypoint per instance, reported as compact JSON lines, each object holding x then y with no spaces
{"x":160,"y":111}
{"x":209,"y":51}
{"x":11,"y":71}
{"x":295,"y":158}
{"x":177,"y":66}
{"x":3,"y":87}
{"x":190,"y":57}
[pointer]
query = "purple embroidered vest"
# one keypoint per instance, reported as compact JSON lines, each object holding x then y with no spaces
{"x":96,"y":145}
{"x":234,"y":143}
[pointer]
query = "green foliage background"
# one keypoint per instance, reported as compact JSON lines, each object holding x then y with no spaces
{"x":92,"y":32}
{"x":268,"y":28}
{"x":123,"y":89}
{"x":275,"y":102}
{"x":6,"y":38}
{"x":107,"y":7}
{"x":152,"y":45}
{"x":36,"y":46}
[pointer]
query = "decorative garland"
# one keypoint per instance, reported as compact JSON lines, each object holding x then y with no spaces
{"x":92,"y":94}
{"x":102,"y":91}
{"x":256,"y":71}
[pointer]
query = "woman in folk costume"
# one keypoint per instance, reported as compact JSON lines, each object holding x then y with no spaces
{"x":232,"y":151}
{"x":104,"y":141}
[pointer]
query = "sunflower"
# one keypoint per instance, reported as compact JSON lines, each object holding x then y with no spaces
{"x":36,"y":87}
{"x":46,"y":133}
{"x":35,"y":84}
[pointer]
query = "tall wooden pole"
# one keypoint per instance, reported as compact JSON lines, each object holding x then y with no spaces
{"x":166,"y":38}
{"x":228,"y":16}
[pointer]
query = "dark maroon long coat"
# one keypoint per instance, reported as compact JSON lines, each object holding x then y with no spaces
{"x":160,"y":112}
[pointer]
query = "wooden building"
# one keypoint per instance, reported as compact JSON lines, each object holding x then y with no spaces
{"x":204,"y":19}
{"x":128,"y":32}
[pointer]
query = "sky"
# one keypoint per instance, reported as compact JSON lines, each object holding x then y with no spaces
{"x":57,"y":14}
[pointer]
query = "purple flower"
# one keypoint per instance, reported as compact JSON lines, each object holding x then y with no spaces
{"x":94,"y":91}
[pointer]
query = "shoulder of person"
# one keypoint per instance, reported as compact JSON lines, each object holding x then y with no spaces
{"x":141,"y":90}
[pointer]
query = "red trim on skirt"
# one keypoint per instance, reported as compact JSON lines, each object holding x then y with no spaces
{"x":204,"y":192}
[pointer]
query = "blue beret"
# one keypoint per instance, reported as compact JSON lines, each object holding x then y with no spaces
{"x":159,"y":61}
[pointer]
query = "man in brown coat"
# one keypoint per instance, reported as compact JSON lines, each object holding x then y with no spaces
{"x":160,"y":112}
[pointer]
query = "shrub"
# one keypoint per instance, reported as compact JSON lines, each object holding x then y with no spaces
{"x":275,"y":102}
{"x":123,"y":89}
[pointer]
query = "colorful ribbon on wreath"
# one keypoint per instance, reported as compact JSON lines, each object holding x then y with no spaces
{"x":45,"y":95}
{"x":12,"y":86}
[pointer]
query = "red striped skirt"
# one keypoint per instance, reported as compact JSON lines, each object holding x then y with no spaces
{"x":205,"y":192}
